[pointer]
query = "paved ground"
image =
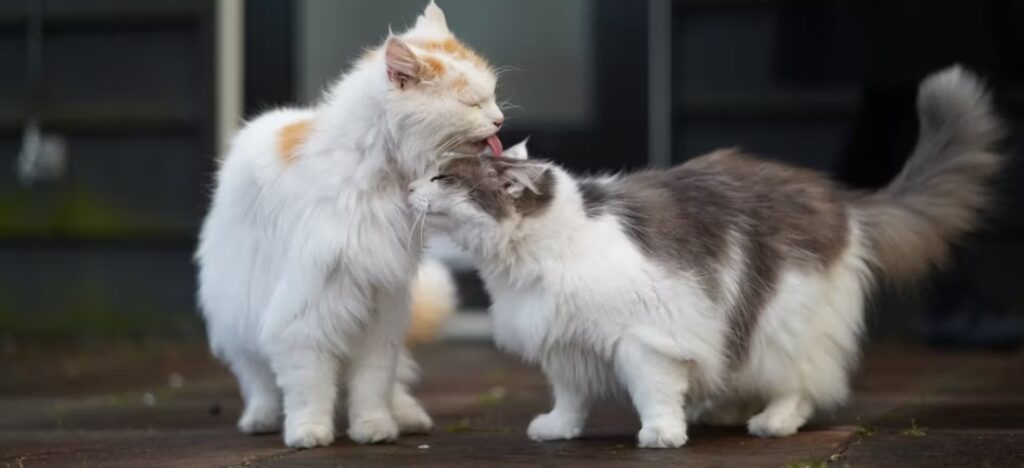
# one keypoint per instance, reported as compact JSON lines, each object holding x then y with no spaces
{"x":170,"y":405}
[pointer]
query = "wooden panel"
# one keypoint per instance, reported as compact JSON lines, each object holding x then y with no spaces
{"x":149,"y":185}
{"x":97,"y":290}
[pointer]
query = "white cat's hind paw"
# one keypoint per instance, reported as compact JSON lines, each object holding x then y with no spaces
{"x":552,"y":427}
{"x":374,"y":430}
{"x":771,"y":425}
{"x":259,"y":423}
{"x":309,"y":435}
{"x":412,"y":419}
{"x":662,"y":436}
{"x":260,"y":420}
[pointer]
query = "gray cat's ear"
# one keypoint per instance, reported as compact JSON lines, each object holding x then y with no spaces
{"x":432,"y":20}
{"x":402,"y":63}
{"x":517,"y":179}
{"x":518,"y":151}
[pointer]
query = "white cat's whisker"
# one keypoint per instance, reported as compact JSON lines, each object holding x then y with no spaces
{"x":422,"y":215}
{"x":502,"y":70}
{"x":504,"y":105}
{"x":423,"y":223}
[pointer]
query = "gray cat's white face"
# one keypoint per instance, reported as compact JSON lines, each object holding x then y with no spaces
{"x":476,"y":198}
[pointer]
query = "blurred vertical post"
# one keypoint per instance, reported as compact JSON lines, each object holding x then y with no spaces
{"x":659,"y":82}
{"x":230,"y":56}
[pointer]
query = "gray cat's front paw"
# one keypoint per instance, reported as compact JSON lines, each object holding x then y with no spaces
{"x":550,"y":426}
{"x":662,"y":435}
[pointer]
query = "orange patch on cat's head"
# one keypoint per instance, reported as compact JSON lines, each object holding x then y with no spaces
{"x":455,"y":49}
{"x":460,"y":83}
{"x":291,"y":137}
{"x":432,"y":67}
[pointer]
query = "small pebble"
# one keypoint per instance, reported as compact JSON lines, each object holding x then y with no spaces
{"x":175,"y":380}
{"x":148,"y":399}
{"x":423,"y":447}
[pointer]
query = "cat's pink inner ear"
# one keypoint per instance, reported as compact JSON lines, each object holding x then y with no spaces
{"x":402,"y":64}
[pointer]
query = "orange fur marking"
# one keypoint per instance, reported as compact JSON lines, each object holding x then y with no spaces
{"x":460,"y":83}
{"x":456,"y":49}
{"x":432,"y":67}
{"x":290,"y":137}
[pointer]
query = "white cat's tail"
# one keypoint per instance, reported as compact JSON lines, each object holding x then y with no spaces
{"x":434,"y":299}
{"x":944,"y":186}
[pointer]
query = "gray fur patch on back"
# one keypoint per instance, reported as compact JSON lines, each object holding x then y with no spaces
{"x":683,"y":217}
{"x":595,"y":196}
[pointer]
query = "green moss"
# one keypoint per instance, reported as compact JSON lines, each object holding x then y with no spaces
{"x":492,"y":396}
{"x":74,"y":210}
{"x":915,"y":430}
{"x":87,"y":311}
{"x":863,"y":431}
{"x":86,"y":324}
{"x":458,"y":427}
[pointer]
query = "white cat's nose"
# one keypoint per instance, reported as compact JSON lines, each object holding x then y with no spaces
{"x":495,"y":115}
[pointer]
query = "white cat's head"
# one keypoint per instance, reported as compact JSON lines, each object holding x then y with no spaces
{"x":441,"y":94}
{"x":479,"y":201}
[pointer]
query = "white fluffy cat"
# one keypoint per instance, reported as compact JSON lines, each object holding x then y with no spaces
{"x":308,"y":251}
{"x":726,"y":284}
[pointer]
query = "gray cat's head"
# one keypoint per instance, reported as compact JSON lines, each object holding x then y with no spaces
{"x":481,"y":199}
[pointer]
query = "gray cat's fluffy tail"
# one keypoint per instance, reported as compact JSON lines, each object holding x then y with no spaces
{"x":944,"y":187}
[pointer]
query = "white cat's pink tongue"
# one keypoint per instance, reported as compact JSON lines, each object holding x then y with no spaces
{"x":494,"y":143}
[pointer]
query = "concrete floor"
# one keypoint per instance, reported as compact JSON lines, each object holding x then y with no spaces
{"x":171,"y":405}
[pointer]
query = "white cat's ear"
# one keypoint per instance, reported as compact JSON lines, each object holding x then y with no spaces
{"x":403,"y":66}
{"x":432,"y":20}
{"x":517,"y":151}
{"x":516,"y":179}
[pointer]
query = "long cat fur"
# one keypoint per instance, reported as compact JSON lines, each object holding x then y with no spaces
{"x":727,"y":289}
{"x":308,"y":251}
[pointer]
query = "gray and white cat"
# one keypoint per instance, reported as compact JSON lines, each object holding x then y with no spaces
{"x":729,"y":286}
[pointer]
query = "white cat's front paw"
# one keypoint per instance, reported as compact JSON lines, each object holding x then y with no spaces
{"x":309,"y":435}
{"x":260,"y":420}
{"x":549,"y":426}
{"x":770,"y":425}
{"x":412,"y":419}
{"x":374,"y":429}
{"x":662,"y":435}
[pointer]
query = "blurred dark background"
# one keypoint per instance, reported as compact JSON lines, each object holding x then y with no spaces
{"x":112,"y":111}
